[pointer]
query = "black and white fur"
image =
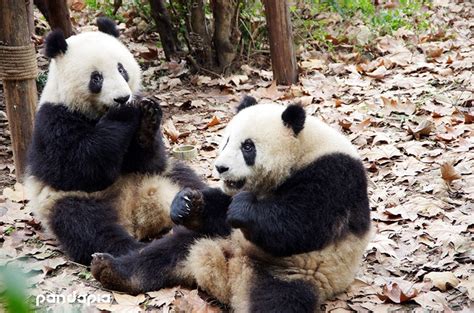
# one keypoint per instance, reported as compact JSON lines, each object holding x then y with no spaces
{"x":98,"y":174}
{"x":288,"y":232}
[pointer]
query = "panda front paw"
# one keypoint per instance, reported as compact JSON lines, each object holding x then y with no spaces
{"x":123,"y":113}
{"x":239,"y":214}
{"x":150,"y":122}
{"x":187,"y":207}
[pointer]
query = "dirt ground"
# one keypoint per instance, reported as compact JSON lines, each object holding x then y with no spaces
{"x":408,"y":109}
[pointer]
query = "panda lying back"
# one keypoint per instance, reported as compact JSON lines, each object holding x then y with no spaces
{"x":288,"y":232}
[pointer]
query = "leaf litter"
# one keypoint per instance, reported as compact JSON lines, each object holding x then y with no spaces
{"x":410,"y":112}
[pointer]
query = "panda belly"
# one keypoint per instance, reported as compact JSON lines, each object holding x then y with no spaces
{"x":228,"y":268}
{"x":330,"y":270}
{"x":142,"y":202}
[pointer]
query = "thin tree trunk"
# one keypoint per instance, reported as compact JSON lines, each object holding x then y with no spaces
{"x":59,"y":16}
{"x":226,"y":32}
{"x":199,"y":33}
{"x":285,"y":70}
{"x":42,"y":5}
{"x":168,"y":36}
{"x":20,"y":95}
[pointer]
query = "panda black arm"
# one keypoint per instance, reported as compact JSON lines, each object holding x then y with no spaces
{"x":71,"y":152}
{"x":204,"y":211}
{"x":315,"y":206}
{"x":146,"y":153}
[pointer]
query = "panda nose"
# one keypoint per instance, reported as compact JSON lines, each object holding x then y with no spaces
{"x":122,"y":100}
{"x":221,"y":169}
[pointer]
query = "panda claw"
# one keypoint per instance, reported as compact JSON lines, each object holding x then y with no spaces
{"x":187,"y":199}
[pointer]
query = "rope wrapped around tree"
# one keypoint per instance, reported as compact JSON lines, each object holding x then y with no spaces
{"x":18,"y":62}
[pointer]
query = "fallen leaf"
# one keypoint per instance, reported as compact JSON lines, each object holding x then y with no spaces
{"x":448,"y":173}
{"x":442,"y":280}
{"x":422,"y":129}
{"x":214,"y":121}
{"x":171,"y":131}
{"x":393,"y":293}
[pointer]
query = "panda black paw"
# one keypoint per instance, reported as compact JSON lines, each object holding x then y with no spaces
{"x":105,"y":269}
{"x":240,"y":210}
{"x":151,"y":119}
{"x":187,"y":207}
{"x":123,"y":113}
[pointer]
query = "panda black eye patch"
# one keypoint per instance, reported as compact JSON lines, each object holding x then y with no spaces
{"x":122,"y":71}
{"x":96,"y":81}
{"x":248,"y":151}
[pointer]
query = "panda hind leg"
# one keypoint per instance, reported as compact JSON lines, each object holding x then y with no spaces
{"x":271,"y":294}
{"x":84,"y":226}
{"x":154,"y":267}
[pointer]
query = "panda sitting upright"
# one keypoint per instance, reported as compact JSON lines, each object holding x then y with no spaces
{"x":97,"y":173}
{"x":288,"y":231}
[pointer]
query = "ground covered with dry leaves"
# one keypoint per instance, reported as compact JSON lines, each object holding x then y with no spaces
{"x":409,"y":110}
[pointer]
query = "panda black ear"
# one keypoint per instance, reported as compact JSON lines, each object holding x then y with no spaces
{"x":294,"y":117}
{"x":55,"y":44}
{"x":108,"y":26}
{"x":246,"y":102}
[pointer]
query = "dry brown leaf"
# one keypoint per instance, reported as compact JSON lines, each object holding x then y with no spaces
{"x":442,"y":280}
{"x":192,"y":303}
{"x":171,"y":131}
{"x":424,"y":128}
{"x":393,"y":293}
{"x":271,"y":92}
{"x":361,"y":126}
{"x":379,"y":73}
{"x":434,"y":52}
{"x":213,"y":122}
{"x":432,"y":300}
{"x":78,"y":5}
{"x":448,"y":173}
{"x":17,"y":194}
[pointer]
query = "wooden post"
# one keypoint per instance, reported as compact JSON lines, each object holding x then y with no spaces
{"x":31,"y":17}
{"x":20,"y":94}
{"x":285,"y":69}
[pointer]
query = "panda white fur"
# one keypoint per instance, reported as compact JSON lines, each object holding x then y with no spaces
{"x":289,"y":231}
{"x":98,"y":175}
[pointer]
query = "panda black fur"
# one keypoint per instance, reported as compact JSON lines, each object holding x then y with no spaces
{"x":98,"y":174}
{"x":288,"y":231}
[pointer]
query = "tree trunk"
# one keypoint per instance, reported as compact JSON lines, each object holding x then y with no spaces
{"x":42,"y":5}
{"x":168,"y":36}
{"x":20,"y":94}
{"x":59,"y":16}
{"x":199,"y":34}
{"x":31,"y":17}
{"x":285,"y":70}
{"x":226,"y":32}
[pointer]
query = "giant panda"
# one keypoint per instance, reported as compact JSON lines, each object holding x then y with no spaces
{"x":98,"y":175}
{"x":286,"y":231}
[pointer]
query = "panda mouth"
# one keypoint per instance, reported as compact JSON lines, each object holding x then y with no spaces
{"x":234,"y":184}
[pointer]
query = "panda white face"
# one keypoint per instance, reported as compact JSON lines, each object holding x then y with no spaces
{"x":258,"y":151}
{"x":96,"y":71}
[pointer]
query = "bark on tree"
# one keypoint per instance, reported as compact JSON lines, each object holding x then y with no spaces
{"x":42,"y":5}
{"x":20,"y":95}
{"x":226,"y":32}
{"x":56,"y":13}
{"x":168,"y":36}
{"x":285,"y":69}
{"x":59,"y":16}
{"x":199,"y":34}
{"x":31,"y":18}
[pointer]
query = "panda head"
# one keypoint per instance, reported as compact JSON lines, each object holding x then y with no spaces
{"x":91,"y":71}
{"x":260,"y":147}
